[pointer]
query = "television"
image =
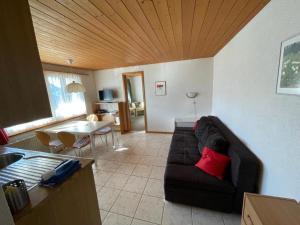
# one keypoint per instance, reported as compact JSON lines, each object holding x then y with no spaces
{"x":106,"y":95}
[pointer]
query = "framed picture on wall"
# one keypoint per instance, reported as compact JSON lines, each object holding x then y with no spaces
{"x":160,"y":88}
{"x":288,"y":81}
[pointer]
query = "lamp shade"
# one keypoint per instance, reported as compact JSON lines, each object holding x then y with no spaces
{"x":75,"y":87}
{"x":191,"y":94}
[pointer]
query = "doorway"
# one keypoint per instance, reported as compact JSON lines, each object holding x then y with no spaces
{"x":135,"y":101}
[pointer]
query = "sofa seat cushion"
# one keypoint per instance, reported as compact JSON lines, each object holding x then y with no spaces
{"x":184,"y":140}
{"x":185,"y":156}
{"x":183,"y":176}
{"x":177,"y":138}
{"x":184,"y":149}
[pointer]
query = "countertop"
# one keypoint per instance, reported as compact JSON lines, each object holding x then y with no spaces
{"x":39,"y":194}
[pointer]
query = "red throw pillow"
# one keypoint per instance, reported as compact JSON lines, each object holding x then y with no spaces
{"x":213,"y":163}
{"x":3,"y":137}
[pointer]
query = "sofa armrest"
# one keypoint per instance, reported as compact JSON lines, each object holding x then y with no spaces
{"x":244,"y":176}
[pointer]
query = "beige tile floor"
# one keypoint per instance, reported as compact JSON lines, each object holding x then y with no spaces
{"x":129,"y":184}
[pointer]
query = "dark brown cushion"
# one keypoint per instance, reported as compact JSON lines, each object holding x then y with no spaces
{"x":201,"y":126}
{"x":218,"y":143}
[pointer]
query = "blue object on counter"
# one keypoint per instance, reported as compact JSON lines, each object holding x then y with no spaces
{"x":61,"y":173}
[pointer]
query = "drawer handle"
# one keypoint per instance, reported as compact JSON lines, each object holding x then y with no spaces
{"x":249,"y":218}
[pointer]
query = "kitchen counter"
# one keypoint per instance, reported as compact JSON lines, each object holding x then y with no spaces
{"x":40,"y":195}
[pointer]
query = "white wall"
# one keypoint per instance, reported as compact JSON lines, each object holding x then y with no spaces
{"x":87,"y":81}
{"x":181,"y":77}
{"x":244,"y":96}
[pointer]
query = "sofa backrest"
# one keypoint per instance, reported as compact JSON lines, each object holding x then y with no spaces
{"x":244,"y":168}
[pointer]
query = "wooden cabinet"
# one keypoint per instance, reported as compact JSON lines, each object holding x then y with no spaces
{"x":268,"y":210}
{"x":23,"y":93}
{"x":73,"y":203}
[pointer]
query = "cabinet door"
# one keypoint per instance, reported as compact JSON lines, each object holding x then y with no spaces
{"x":23,"y":93}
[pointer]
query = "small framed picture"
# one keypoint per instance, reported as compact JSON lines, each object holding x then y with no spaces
{"x":288,"y":81}
{"x":160,"y":88}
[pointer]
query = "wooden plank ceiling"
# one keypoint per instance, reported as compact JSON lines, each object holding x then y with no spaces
{"x":100,"y":34}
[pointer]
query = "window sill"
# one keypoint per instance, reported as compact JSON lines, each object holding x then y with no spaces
{"x":46,"y":125}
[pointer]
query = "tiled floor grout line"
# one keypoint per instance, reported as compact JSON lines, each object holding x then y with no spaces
{"x":111,"y":206}
{"x":142,"y":195}
{"x":119,"y":215}
{"x":137,"y":205}
{"x":148,"y":178}
{"x":116,"y":197}
{"x":109,"y":211}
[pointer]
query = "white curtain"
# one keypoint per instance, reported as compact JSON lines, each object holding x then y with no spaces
{"x":63,"y":104}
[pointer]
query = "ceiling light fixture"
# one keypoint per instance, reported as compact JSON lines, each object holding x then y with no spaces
{"x":74,"y":87}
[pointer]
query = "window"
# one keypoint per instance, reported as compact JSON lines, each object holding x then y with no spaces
{"x":63,"y":104}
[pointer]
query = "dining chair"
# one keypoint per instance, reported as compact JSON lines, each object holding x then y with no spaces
{"x":70,"y":141}
{"x":132,"y":109}
{"x":104,"y":131}
{"x":140,"y":110}
{"x":53,"y":145}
